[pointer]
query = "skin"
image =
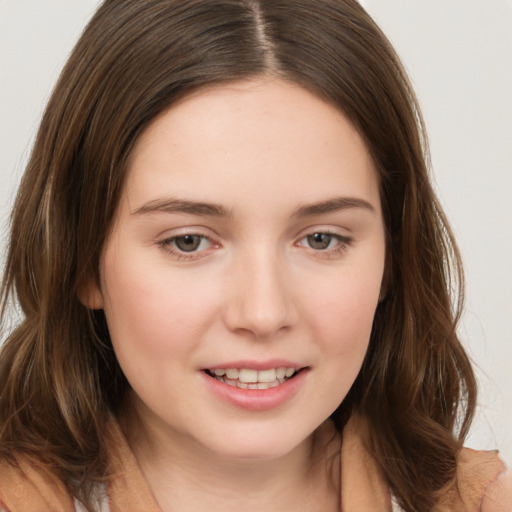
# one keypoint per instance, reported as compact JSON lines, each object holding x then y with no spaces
{"x":254,"y":290}
{"x":498,"y":494}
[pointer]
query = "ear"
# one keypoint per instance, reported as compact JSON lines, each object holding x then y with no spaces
{"x":90,"y":295}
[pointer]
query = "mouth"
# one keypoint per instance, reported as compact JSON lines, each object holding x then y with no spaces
{"x":246,"y":378}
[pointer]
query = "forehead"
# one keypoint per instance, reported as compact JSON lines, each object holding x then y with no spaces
{"x":250,"y":136}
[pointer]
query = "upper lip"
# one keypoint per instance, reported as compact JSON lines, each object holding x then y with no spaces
{"x":256,"y":365}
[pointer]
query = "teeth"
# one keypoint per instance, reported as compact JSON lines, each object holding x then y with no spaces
{"x":267,"y":375}
{"x":281,"y":373}
{"x":255,"y":379}
{"x":244,"y":385}
{"x":289,"y":372}
{"x":245,"y":375}
{"x":232,"y":373}
{"x":268,"y":385}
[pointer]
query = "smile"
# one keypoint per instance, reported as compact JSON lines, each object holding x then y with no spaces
{"x":246,"y":378}
{"x":257,"y":388}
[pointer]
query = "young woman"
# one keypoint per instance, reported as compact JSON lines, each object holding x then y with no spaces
{"x":235,"y":276}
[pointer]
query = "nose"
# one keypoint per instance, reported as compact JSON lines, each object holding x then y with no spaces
{"x":260,"y":301}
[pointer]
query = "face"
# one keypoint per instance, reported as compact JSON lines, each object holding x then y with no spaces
{"x":244,"y":267}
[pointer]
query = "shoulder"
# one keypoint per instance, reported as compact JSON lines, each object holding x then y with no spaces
{"x":26,"y":486}
{"x":482,"y":482}
{"x":498,"y":494}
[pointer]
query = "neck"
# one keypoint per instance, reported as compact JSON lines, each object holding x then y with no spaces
{"x":185,"y":476}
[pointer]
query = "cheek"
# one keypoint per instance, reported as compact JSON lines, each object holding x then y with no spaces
{"x":342,"y":314}
{"x":151,"y":314}
{"x":342,"y":325}
{"x":340,"y":317}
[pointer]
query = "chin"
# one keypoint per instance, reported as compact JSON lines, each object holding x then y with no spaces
{"x":256,"y":444}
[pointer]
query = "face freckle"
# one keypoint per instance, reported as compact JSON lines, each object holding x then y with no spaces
{"x":249,"y":237}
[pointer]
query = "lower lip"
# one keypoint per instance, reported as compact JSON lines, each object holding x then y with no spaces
{"x":256,"y":399}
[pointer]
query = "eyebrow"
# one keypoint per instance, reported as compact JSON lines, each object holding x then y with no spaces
{"x":333,"y":205}
{"x":170,"y":205}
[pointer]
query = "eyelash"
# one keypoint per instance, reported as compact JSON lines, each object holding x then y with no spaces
{"x":343,"y":243}
{"x":169,"y":245}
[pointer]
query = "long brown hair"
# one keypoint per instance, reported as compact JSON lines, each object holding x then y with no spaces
{"x":59,"y":378}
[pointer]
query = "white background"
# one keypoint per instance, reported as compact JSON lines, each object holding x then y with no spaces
{"x":459,"y":56}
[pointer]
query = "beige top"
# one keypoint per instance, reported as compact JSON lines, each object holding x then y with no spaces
{"x":362,"y":486}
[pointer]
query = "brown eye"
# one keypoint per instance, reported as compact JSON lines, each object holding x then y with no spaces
{"x":319,"y":241}
{"x":188,"y":243}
